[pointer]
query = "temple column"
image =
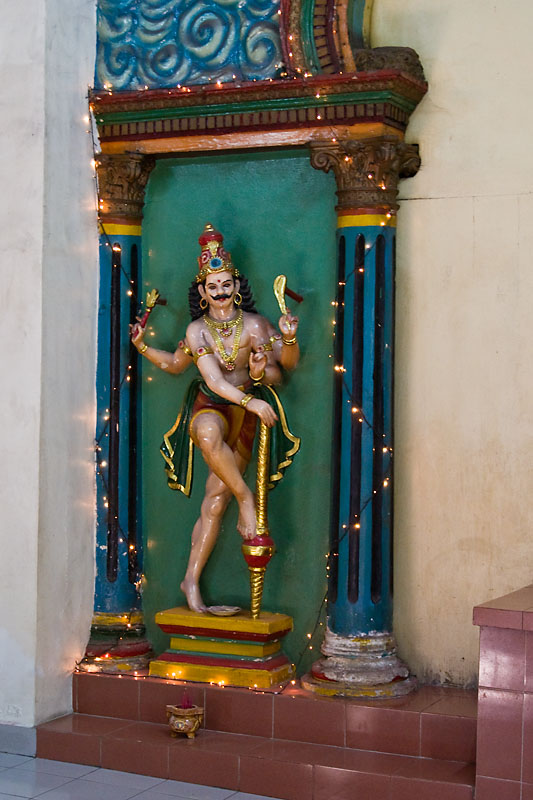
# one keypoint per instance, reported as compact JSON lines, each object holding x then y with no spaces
{"x":359,"y":648}
{"x":117,"y":640}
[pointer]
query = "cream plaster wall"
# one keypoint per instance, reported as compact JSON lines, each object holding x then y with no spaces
{"x":464,"y":382}
{"x":48,"y":250}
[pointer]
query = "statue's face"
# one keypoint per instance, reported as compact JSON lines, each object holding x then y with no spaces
{"x":220,"y":290}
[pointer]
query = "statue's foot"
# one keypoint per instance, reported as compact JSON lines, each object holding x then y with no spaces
{"x":246,"y":522}
{"x":191,"y":590}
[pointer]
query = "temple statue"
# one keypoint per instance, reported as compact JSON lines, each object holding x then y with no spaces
{"x":238,"y":354}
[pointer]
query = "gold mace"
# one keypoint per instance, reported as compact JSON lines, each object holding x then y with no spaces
{"x":259,"y":550}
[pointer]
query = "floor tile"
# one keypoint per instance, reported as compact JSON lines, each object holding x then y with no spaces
{"x":501,"y":658}
{"x":448,"y":737}
{"x":85,"y":724}
{"x":108,"y":695}
{"x":81,"y":789}
{"x":238,"y":711}
{"x":76,"y":748}
{"x":341,"y":784}
{"x":456,"y":705}
{"x":384,"y":729}
{"x":10,"y":760}
{"x":499,"y":739}
{"x":412,"y":789}
{"x":24,"y":783}
{"x":244,"y":796}
{"x":117,"y":778}
{"x":57,"y":767}
{"x":495,"y":789}
{"x":318,"y":721}
{"x":9,"y":796}
{"x":189,"y":791}
{"x":287,"y":780}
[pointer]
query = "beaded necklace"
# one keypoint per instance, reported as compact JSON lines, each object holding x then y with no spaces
{"x":225,"y":327}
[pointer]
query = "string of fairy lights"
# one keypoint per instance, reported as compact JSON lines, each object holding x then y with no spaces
{"x":346,"y":527}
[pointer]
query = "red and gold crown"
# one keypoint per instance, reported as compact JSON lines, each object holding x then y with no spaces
{"x":213,"y":257}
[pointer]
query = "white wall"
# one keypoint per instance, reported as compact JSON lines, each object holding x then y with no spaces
{"x":464,"y":428}
{"x":47,"y":329}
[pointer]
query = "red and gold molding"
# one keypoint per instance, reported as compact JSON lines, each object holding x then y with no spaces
{"x":265,"y":113}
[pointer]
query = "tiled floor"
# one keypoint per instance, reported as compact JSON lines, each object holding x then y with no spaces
{"x":21,"y":776}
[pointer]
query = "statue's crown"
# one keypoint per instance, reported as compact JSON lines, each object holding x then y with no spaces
{"x":213,"y":257}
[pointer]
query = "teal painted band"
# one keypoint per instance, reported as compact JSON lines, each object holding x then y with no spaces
{"x":281,"y":104}
{"x":356,"y":13}
{"x":223,"y":656}
{"x":308,"y":40}
{"x":192,"y":638}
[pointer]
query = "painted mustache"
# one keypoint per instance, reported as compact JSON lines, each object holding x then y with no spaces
{"x":221,"y":296}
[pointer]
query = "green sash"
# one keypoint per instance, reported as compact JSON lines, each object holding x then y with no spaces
{"x":178,"y":449}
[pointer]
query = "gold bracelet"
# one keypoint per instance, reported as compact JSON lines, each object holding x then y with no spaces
{"x":289,"y":341}
{"x":246,"y":399}
{"x":143,"y":348}
{"x":259,"y":378}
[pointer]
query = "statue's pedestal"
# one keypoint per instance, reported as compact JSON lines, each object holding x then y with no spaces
{"x":229,"y":651}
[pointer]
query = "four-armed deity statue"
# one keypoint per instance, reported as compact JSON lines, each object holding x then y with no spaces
{"x":238,"y":354}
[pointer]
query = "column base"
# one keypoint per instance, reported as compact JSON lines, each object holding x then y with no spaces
{"x":359,"y":666}
{"x":117,"y":644}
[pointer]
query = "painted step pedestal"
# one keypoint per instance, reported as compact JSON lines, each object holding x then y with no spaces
{"x":292,"y":745}
{"x":228,"y":650}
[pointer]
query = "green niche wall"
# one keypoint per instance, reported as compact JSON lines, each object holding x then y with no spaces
{"x":277,"y":216}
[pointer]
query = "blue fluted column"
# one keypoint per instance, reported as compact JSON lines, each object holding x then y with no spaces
{"x":359,"y":648}
{"x":117,"y":635}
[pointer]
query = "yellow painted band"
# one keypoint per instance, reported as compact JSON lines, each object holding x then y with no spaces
{"x":242,"y":622}
{"x":220,"y":675}
{"x":113,"y":229}
{"x":198,"y":645}
{"x":106,"y":618}
{"x":362,"y":220}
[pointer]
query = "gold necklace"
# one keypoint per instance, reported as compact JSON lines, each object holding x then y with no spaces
{"x":224,"y":326}
{"x":214,"y":327}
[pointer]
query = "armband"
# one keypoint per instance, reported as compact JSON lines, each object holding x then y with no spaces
{"x":185,"y":347}
{"x":202,"y":351}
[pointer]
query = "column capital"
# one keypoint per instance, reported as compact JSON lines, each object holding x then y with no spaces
{"x":367,"y":171}
{"x":122,"y":180}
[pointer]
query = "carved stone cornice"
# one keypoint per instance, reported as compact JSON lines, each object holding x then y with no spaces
{"x":367,"y":171}
{"x":122,"y":182}
{"x":402,"y":59}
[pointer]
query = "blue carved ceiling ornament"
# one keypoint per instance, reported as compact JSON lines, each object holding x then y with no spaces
{"x":163,"y":43}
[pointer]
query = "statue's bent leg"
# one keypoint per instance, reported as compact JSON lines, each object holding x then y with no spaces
{"x":217,"y":496}
{"x":208,"y":434}
{"x":204,"y":536}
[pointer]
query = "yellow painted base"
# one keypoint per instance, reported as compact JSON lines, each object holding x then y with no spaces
{"x":382,"y":691}
{"x":221,"y":675}
{"x":267,"y":623}
{"x":230,"y":648}
{"x":106,"y":619}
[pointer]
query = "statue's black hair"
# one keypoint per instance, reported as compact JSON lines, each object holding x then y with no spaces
{"x":248,"y":302}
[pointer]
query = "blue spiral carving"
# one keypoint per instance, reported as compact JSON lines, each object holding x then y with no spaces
{"x":162,"y":43}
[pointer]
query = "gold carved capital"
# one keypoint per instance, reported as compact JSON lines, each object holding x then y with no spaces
{"x":367,"y":171}
{"x":122,"y":180}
